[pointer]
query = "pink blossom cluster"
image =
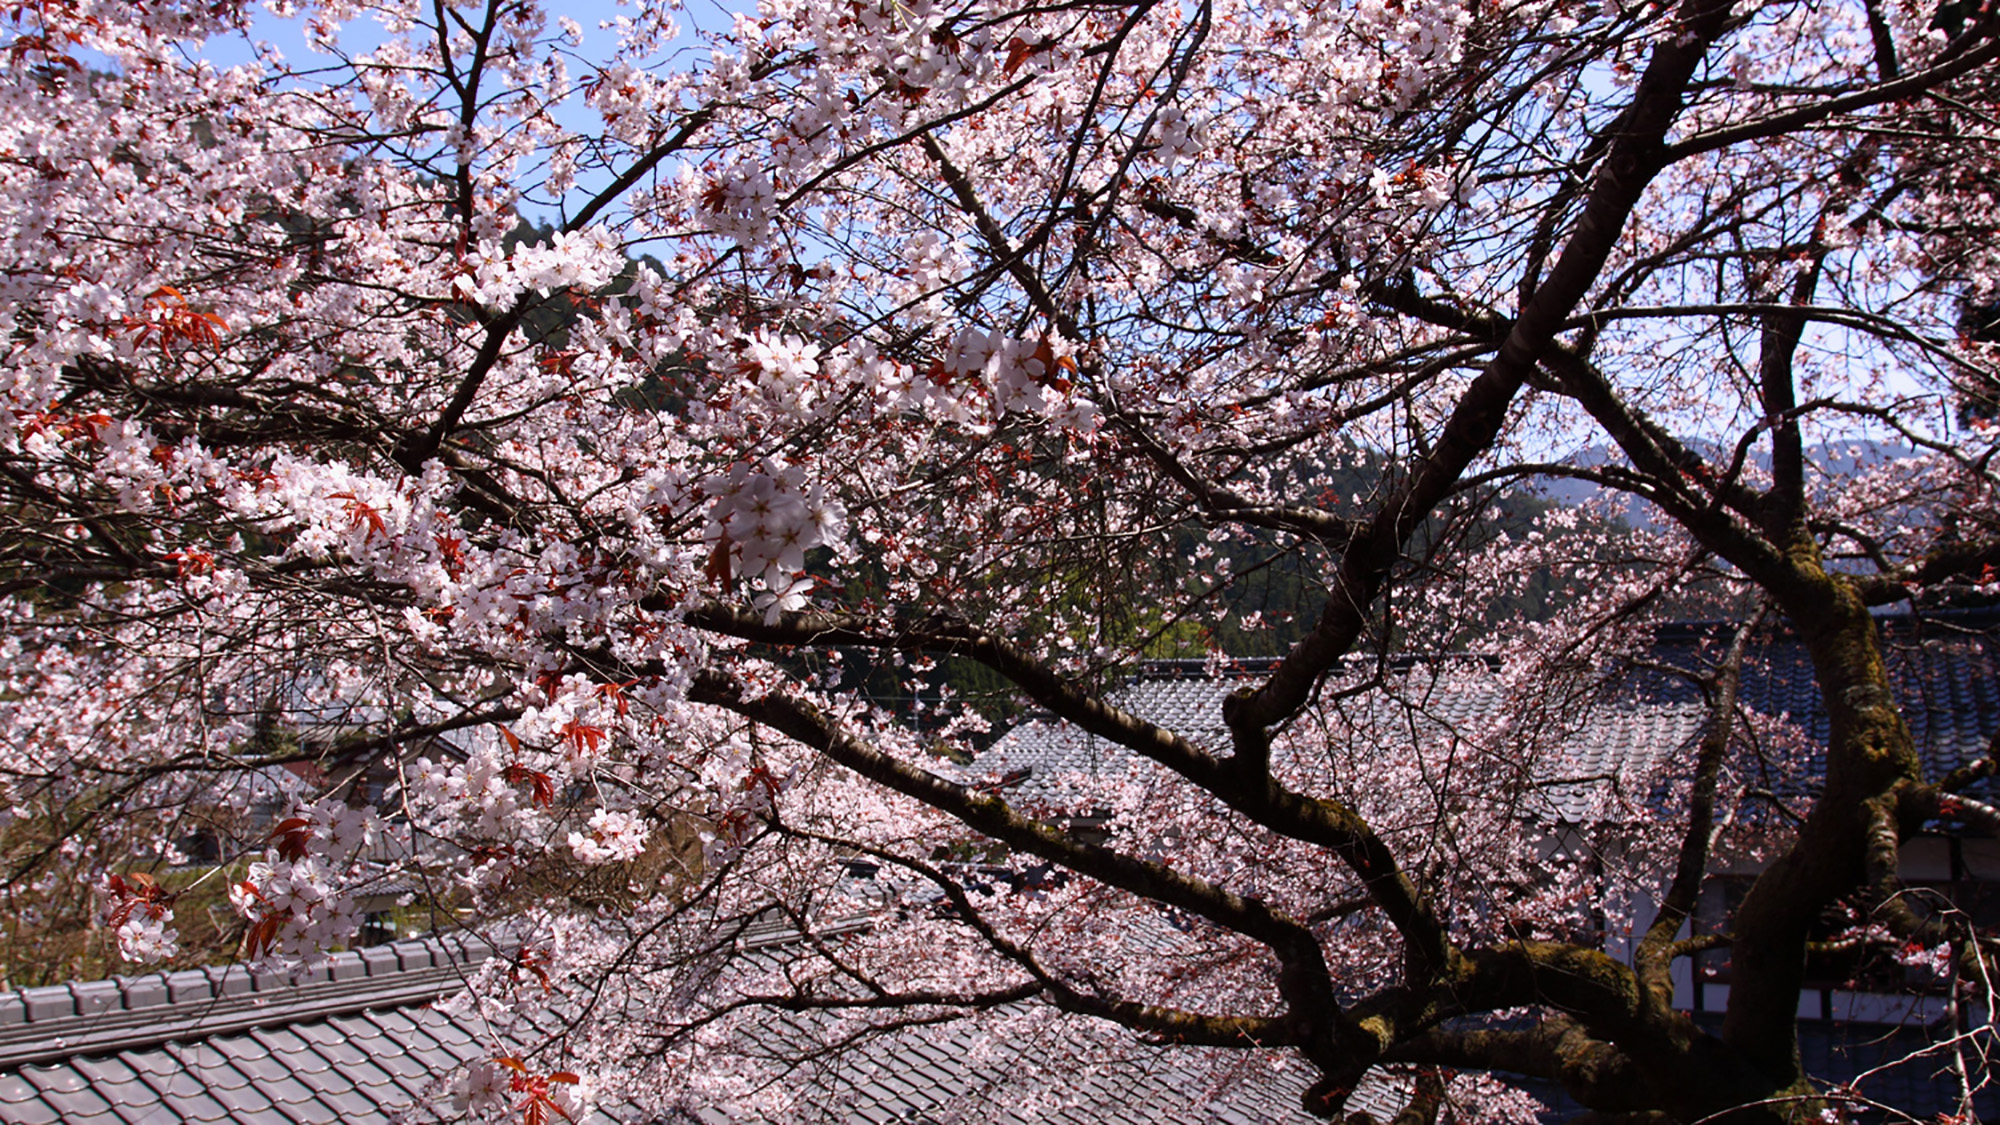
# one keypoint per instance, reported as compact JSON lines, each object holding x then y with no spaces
{"x":613,"y":485}
{"x":296,"y":899}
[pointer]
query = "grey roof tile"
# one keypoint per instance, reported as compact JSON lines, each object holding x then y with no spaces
{"x":401,"y":1065}
{"x":323,"y":1082}
{"x":262,"y":1069}
{"x":240,"y":1047}
{"x":14,"y":1088}
{"x":47,"y":1003}
{"x":34,"y":1111}
{"x":143,"y":992}
{"x":189,"y":985}
{"x":319,"y":1031}
{"x":240,"y":1100}
{"x":151,"y":1064}
{"x":390,"y":1055}
{"x":452,"y":1040}
{"x":321,"y":1044}
{"x":350,"y":1104}
{"x":287,"y":1044}
{"x":285,"y":1089}
{"x":356,"y":1030}
{"x":136,"y":1106}
{"x":58,"y":1079}
{"x":96,"y":997}
{"x":380,"y":960}
{"x":414,"y":954}
{"x":390,"y":1023}
{"x":359,"y":1075}
{"x":233,"y":980}
{"x":219,"y":1077}
{"x":305,"y":1111}
{"x":79,"y":1105}
{"x":130,"y":1097}
{"x":183,"y":1093}
{"x":103,"y":1071}
{"x":408,"y":1027}
{"x":339,"y":1053}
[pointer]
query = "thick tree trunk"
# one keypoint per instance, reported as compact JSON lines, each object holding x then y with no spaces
{"x":1869,"y":751}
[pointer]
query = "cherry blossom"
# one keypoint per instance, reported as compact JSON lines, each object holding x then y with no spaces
{"x":615,"y":493}
{"x":612,"y":837}
{"x":145,"y":939}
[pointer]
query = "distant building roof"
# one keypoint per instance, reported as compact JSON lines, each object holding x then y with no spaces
{"x":1043,"y":758}
{"x":353,"y":1041}
{"x":1943,"y":670}
{"x":358,"y":1041}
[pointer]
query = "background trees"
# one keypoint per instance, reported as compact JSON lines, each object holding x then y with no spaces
{"x":1023,"y":336}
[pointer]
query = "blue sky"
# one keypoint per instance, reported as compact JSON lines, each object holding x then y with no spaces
{"x":358,"y":35}
{"x":362,"y":34}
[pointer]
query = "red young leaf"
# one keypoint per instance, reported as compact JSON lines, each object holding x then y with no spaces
{"x":616,"y":694}
{"x":264,"y":934}
{"x":540,"y":784}
{"x":582,"y":739}
{"x":1019,"y":51}
{"x":292,"y":835}
{"x":360,"y":513}
{"x":717,"y":570}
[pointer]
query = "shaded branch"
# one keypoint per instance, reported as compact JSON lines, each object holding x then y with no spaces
{"x":1557,"y":1048}
{"x":1165,"y":1024}
{"x":1793,"y":120}
{"x":1653,"y":958}
{"x":1327,"y":823}
{"x":1303,"y":979}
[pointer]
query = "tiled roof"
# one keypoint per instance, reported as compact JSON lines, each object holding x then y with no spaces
{"x":359,"y":1045}
{"x":37,"y":1024}
{"x":1944,"y":673}
{"x":967,"y":1076}
{"x":964,"y":1074}
{"x":1041,"y":756}
{"x":1617,"y":741}
{"x":354,"y":1041}
{"x":358,"y":1042}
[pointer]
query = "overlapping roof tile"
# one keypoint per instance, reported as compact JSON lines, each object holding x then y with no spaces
{"x":1944,"y":673}
{"x":359,"y":1043}
{"x":240,"y":1046}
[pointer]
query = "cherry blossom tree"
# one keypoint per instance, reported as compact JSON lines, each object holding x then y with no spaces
{"x":881,"y":334}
